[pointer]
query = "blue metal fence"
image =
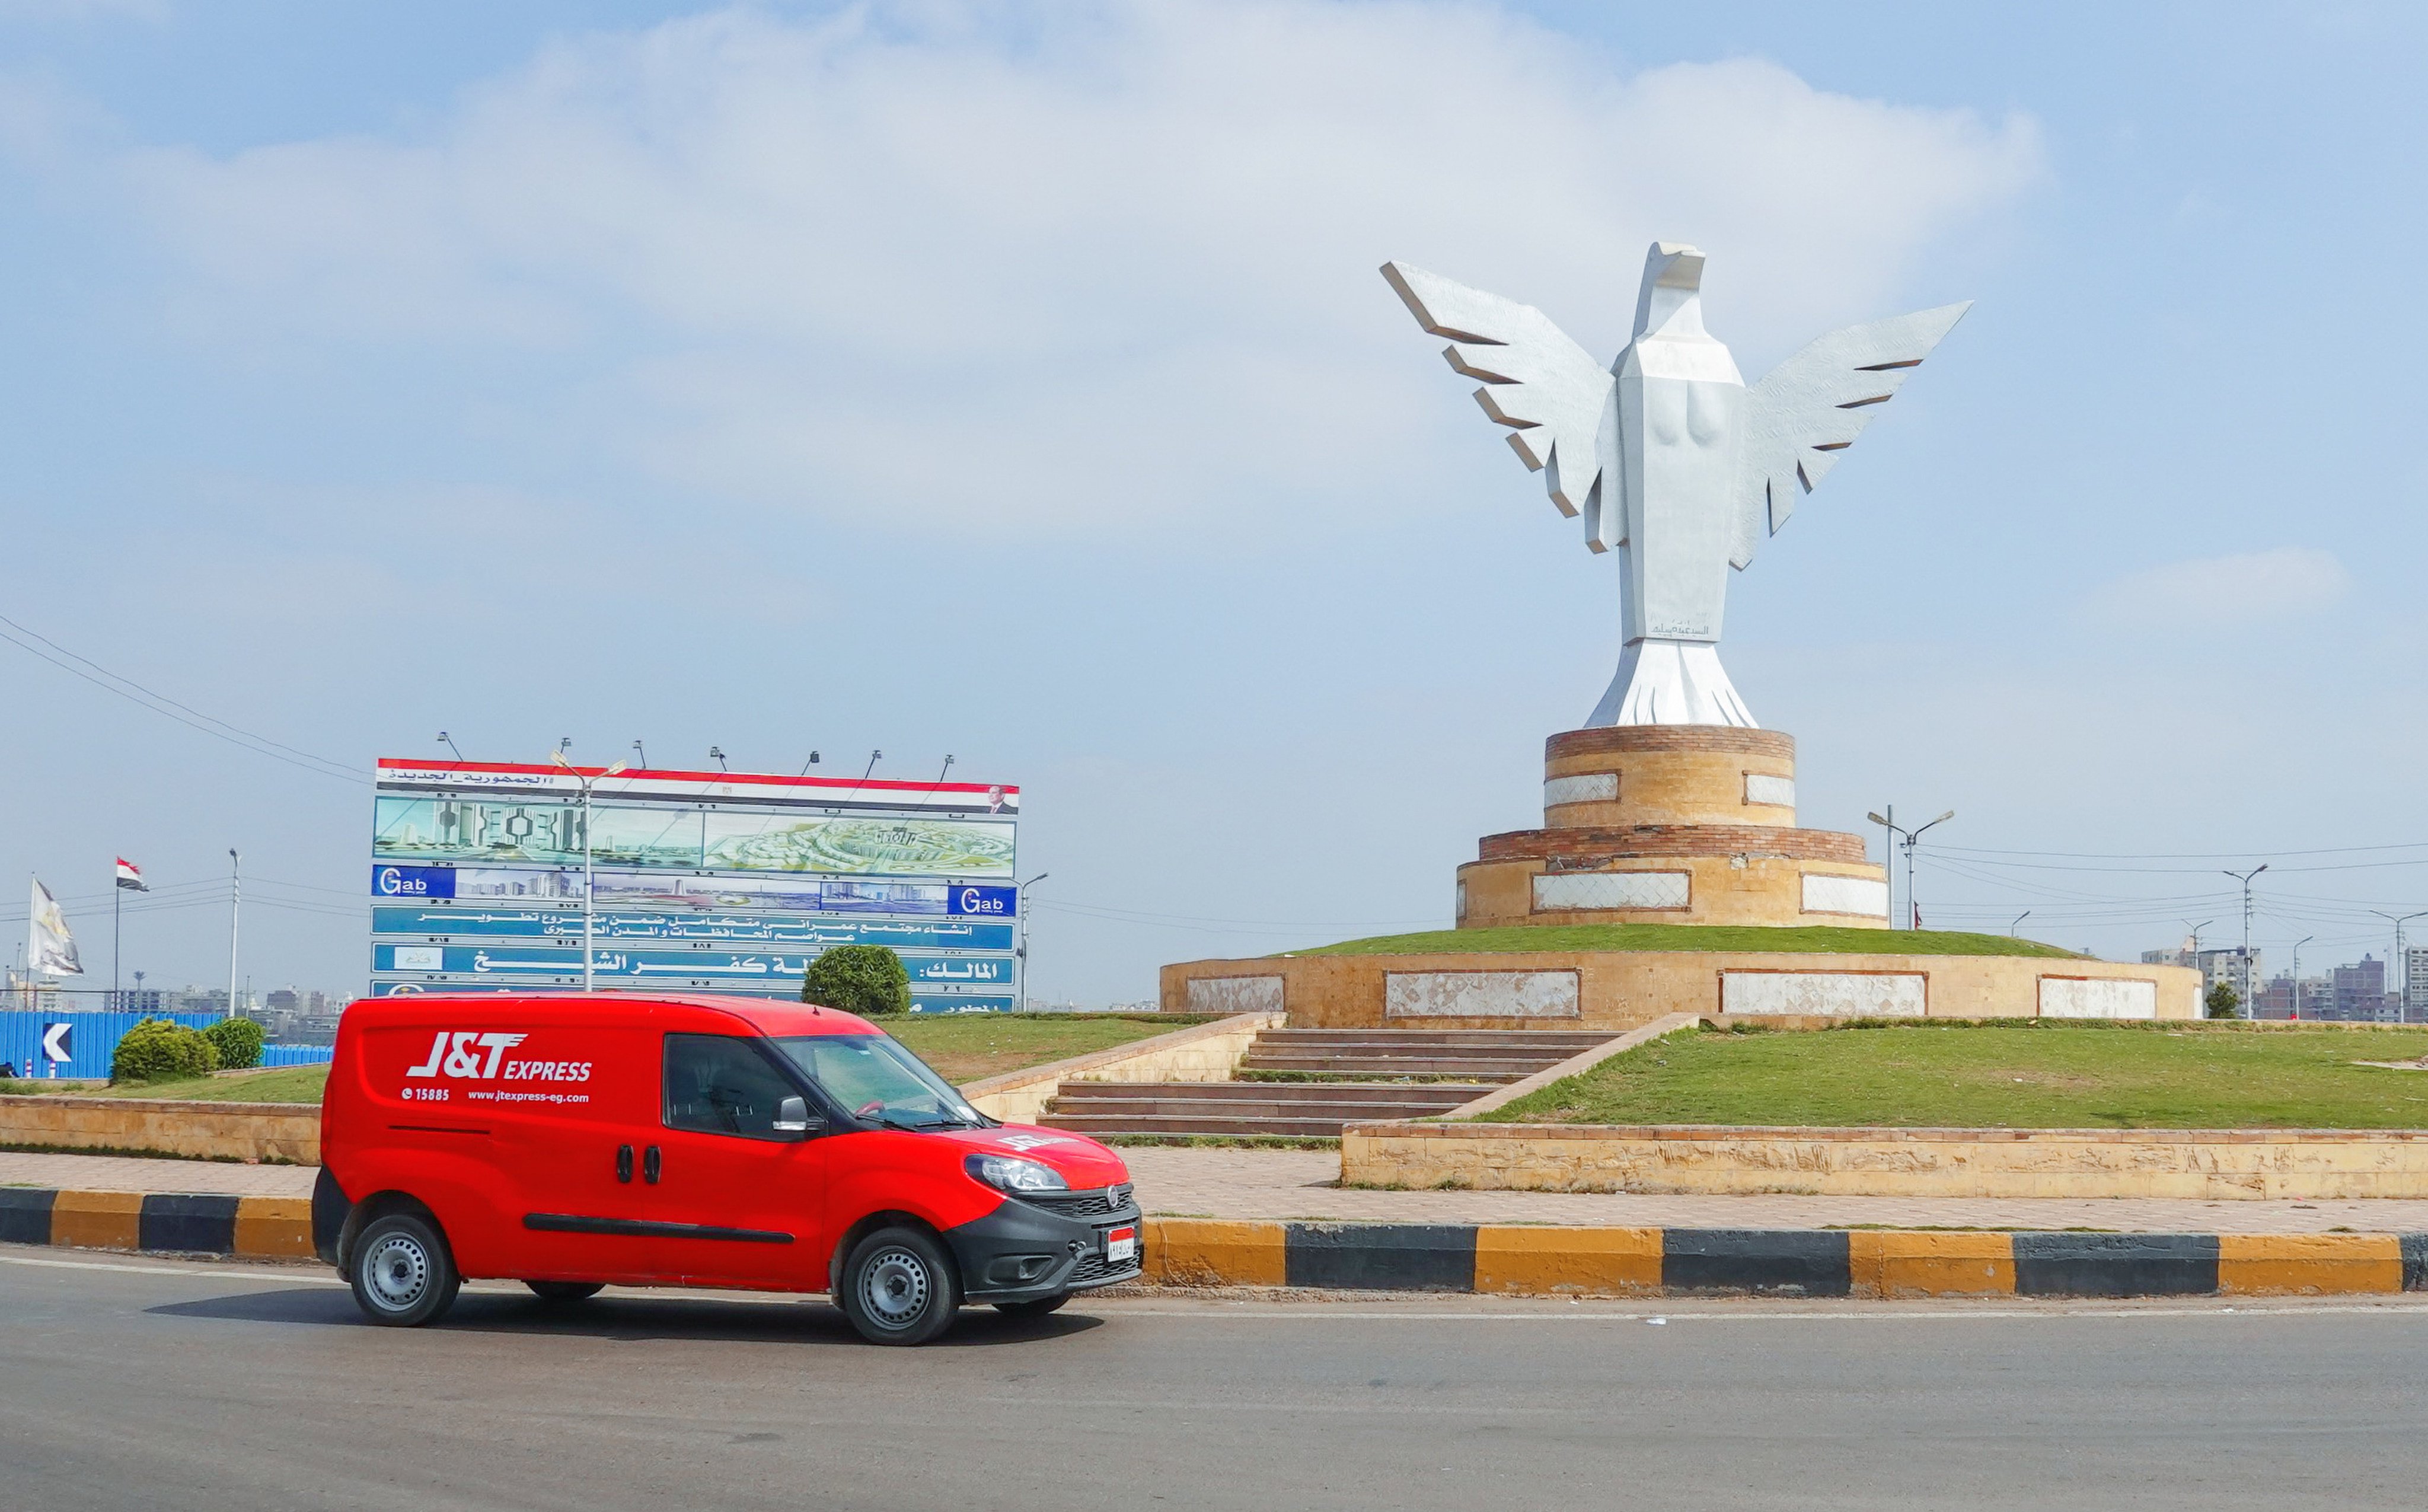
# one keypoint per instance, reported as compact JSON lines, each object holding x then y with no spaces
{"x":297,"y":1055}
{"x":93,"y":1038}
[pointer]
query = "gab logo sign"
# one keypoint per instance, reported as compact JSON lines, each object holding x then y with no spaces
{"x":458,"y":1053}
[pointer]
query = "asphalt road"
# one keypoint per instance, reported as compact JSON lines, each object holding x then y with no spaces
{"x":141,"y":1383}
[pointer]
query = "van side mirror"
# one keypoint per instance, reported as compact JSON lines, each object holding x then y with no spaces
{"x":793,"y":1117}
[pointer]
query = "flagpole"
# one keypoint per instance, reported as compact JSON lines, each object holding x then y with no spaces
{"x":116,"y":893}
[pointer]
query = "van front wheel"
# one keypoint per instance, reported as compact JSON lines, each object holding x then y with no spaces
{"x":898,"y":1288}
{"x":403,"y":1273}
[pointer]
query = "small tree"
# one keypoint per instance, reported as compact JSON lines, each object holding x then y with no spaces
{"x":158,"y":1050}
{"x":867,"y":979}
{"x":2222,"y":1001}
{"x":238,"y":1042}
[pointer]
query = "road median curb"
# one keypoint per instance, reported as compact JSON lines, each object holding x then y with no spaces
{"x":1498,"y":1259}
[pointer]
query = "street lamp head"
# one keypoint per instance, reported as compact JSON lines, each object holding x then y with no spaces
{"x":1875,"y":818}
{"x":613,"y":770}
{"x":1944,"y":817}
{"x":558,"y":756}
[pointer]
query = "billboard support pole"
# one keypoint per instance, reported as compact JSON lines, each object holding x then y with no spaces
{"x":588,"y":891}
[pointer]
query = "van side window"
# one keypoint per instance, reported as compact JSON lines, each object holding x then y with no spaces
{"x":721,"y":1085}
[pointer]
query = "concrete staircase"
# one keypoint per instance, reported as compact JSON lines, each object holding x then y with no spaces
{"x":1320,"y":1080}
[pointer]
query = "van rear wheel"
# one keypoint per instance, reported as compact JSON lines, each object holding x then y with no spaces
{"x":898,"y":1288}
{"x":564,"y":1291}
{"x":403,"y":1274}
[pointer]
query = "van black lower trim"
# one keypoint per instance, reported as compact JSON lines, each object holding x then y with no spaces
{"x":641,"y":1228}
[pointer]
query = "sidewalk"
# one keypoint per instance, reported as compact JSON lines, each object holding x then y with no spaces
{"x":1297,"y":1184}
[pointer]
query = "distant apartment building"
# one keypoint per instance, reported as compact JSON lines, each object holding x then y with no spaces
{"x":2227,"y":966}
{"x":2415,"y":985}
{"x":2360,"y":991}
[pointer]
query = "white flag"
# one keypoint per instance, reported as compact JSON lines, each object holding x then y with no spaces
{"x":49,"y":947}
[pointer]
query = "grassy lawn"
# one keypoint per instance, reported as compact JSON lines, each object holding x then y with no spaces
{"x":287,"y":1084}
{"x":1816,"y":940}
{"x":2051,"y":1075}
{"x":967,"y":1048}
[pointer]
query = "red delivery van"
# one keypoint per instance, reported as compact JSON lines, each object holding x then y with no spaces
{"x":574,"y":1142}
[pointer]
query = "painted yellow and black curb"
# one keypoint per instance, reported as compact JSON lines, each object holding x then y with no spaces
{"x":174,"y":1223}
{"x":1578,"y":1261}
{"x":1513,"y":1261}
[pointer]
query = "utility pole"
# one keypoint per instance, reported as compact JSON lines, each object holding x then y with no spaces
{"x":588,"y":890}
{"x":1886,"y":819}
{"x":2403,"y":998}
{"x":236,"y":910}
{"x":2244,"y":968}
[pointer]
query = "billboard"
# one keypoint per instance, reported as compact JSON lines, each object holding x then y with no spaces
{"x":714,"y":881}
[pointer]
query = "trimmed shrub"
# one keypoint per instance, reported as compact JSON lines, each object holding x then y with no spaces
{"x":238,"y":1042}
{"x":158,"y":1050}
{"x":867,"y":979}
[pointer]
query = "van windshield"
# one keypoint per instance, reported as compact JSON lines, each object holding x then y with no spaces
{"x":875,"y":1078}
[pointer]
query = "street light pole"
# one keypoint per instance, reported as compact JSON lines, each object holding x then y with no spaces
{"x":2243,"y":968}
{"x":1912,"y":838}
{"x":236,"y":909}
{"x":589,"y":892}
{"x":2019,"y":923}
{"x":1021,"y":901}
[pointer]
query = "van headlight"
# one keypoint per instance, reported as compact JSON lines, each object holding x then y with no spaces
{"x":1009,"y":1173}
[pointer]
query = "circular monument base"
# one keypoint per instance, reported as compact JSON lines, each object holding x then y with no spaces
{"x":1679,"y":824}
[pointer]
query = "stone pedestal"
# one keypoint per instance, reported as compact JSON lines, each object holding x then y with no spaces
{"x":1679,"y":823}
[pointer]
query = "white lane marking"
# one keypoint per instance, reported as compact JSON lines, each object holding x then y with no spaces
{"x":1327,"y":1312}
{"x":304,"y":1276}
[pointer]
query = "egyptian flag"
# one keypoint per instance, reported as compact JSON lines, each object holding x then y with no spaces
{"x":130,"y":876}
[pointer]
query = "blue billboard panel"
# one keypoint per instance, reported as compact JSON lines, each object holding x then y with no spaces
{"x":518,"y":961}
{"x":628,"y":888}
{"x":413,"y":881}
{"x":983,"y":902}
{"x":620,"y":926}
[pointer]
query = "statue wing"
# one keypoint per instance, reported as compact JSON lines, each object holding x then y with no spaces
{"x":1547,"y":389}
{"x":1811,"y":407}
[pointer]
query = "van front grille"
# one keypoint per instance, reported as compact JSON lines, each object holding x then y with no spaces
{"x":1100,"y":1204}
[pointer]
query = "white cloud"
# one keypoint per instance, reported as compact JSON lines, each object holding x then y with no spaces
{"x":1090,"y":264}
{"x":2209,"y":592}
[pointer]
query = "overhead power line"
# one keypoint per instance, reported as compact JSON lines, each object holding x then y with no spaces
{"x":35,"y":643}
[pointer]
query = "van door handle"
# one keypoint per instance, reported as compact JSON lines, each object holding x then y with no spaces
{"x":649,"y":1165}
{"x":623,"y":1162}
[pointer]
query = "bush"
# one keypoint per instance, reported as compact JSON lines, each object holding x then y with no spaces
{"x":158,"y":1050}
{"x":238,"y":1042}
{"x":2223,"y":1002}
{"x":867,"y":979}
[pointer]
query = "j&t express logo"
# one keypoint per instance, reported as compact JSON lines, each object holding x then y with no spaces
{"x":468,"y":1055}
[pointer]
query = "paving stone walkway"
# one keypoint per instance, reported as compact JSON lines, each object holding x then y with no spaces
{"x":1299,"y":1184}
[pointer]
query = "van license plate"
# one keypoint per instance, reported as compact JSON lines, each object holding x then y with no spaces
{"x":1121,"y":1244}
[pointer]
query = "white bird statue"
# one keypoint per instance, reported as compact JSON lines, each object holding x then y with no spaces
{"x":1672,"y":461}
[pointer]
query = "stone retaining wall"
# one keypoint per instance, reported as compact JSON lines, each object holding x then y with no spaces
{"x":2208,"y":1164}
{"x":288,"y":1132}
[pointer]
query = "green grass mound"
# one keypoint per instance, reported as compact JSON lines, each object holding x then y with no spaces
{"x":2033,"y":1073}
{"x":1814,"y":940}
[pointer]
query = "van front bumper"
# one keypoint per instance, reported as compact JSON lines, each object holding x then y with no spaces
{"x":1025,"y":1251}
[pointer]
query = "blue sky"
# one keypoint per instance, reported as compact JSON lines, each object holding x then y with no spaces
{"x":1015,"y":382}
